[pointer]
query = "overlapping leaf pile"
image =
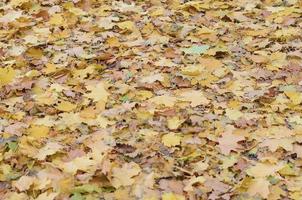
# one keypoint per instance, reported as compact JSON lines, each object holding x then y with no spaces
{"x":150,"y":100}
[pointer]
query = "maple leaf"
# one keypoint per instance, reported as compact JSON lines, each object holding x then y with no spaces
{"x":11,"y":16}
{"x":66,"y":106}
{"x":196,"y":49}
{"x":295,"y":97}
{"x":174,"y":122}
{"x":274,"y":144}
{"x":56,"y":19}
{"x":194,"y":181}
{"x":164,"y":100}
{"x":38,"y":131}
{"x":171,"y":139}
{"x":124,"y":176}
{"x":172,"y":196}
{"x":196,"y":97}
{"x":133,"y":94}
{"x":261,"y":170}
{"x":107,"y":22}
{"x":6,"y":75}
{"x":46,"y":196}
{"x":233,"y":114}
{"x":229,"y":142}
{"x":98,"y":92}
{"x":83,"y":163}
{"x":49,"y":149}
{"x":24,"y":183}
{"x":152,"y":78}
{"x":259,"y":186}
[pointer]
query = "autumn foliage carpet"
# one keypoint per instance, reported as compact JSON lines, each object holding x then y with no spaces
{"x":150,"y":100}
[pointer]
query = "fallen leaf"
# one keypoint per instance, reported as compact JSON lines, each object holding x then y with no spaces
{"x":171,"y":139}
{"x":172,"y":196}
{"x":259,"y":186}
{"x":38,"y":131}
{"x":229,"y":142}
{"x":196,"y":49}
{"x":24,"y":183}
{"x":11,"y":16}
{"x":174,"y":122}
{"x":261,"y":170}
{"x":66,"y":106}
{"x":6,"y":75}
{"x":98,"y":92}
{"x":233,"y":114}
{"x":49,"y":149}
{"x":46,"y":196}
{"x":196,"y":97}
{"x":124,"y":176}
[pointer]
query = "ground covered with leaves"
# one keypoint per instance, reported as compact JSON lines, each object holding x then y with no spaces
{"x":150,"y":100}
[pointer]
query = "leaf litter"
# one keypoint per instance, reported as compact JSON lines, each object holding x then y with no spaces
{"x":150,"y":100}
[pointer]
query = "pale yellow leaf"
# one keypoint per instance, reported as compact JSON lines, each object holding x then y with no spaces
{"x":171,"y":139}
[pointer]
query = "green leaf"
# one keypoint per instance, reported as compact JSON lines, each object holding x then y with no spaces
{"x":87,"y":188}
{"x":77,"y":196}
{"x":108,"y":189}
{"x":12,"y":146}
{"x":196,"y":49}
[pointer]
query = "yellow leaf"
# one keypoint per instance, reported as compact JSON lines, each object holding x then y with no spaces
{"x":16,"y":3}
{"x":66,"y":106}
{"x":277,"y":60}
{"x":89,"y":113}
{"x":50,"y":68}
{"x":172,"y":196}
{"x":38,"y":131}
{"x":286,"y":33}
{"x":124,"y":176}
{"x":233,"y":114}
{"x":171,"y":140}
{"x":273,"y":144}
{"x":83,"y":73}
{"x":128,"y":25}
{"x":263,"y":170}
{"x":113,"y":42}
{"x":6,"y":75}
{"x":31,"y":39}
{"x":295,"y":97}
{"x":277,"y":193}
{"x":166,"y":100}
{"x":56,"y":19}
{"x":192,"y":70}
{"x":196,"y":97}
{"x":193,"y":181}
{"x":259,"y":186}
{"x":49,"y":149}
{"x":287,"y":170}
{"x":16,"y":196}
{"x":24,"y":183}
{"x":77,"y":11}
{"x":152,"y":78}
{"x":11,"y":16}
{"x":46,"y":196}
{"x":32,"y":73}
{"x":83,"y":163}
{"x":158,"y":11}
{"x":98,"y":92}
{"x":174,"y":122}
{"x":143,"y":94}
